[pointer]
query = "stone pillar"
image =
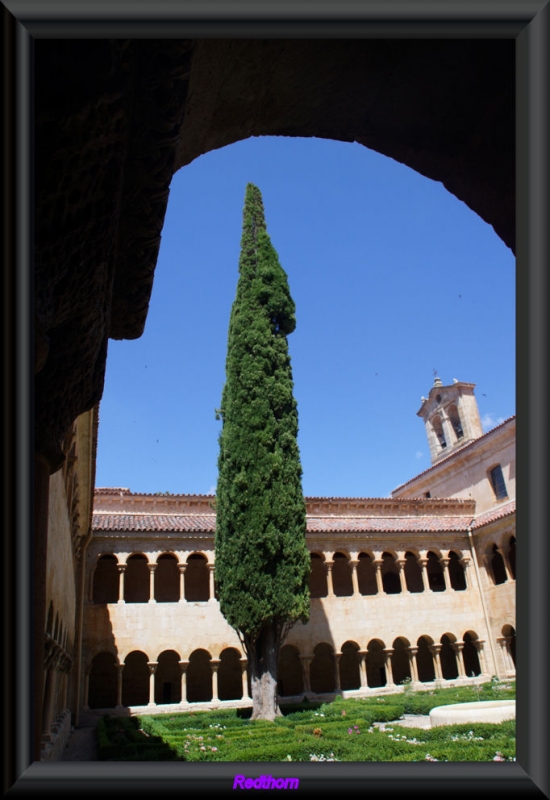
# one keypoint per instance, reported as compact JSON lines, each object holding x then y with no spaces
{"x":411,"y":653}
{"x":211,"y":589}
{"x":446,"y":580}
{"x":152,"y":568}
{"x":182,"y":568}
{"x":244,"y":670}
{"x":435,"y":650}
{"x":478,"y":644}
{"x":49,"y":694}
{"x":152,"y":669}
{"x":362,"y":654}
{"x":215,"y":665}
{"x":508,"y":650}
{"x":306,"y":661}
{"x":448,"y":430}
{"x":330,"y":590}
{"x":378,"y":567}
{"x":465,"y":563}
{"x":423,"y":571}
{"x":388,"y":652}
{"x":401,"y":564}
{"x":338,"y":686}
{"x":121,"y":570}
{"x":354,"y":580}
{"x":183,"y":666}
{"x":119,"y":668}
{"x":458,"y":647}
{"x":506,"y":561}
{"x":85,"y":703}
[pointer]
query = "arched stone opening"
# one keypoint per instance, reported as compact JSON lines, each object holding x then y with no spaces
{"x":366,"y":574}
{"x":376,"y":664}
{"x":230,"y":676}
{"x":457,"y":576}
{"x":135,"y":679}
{"x":341,"y":576}
{"x":437,"y":426}
{"x":447,"y":657}
{"x":497,"y":565}
{"x":470,"y":655}
{"x":322,"y":669}
{"x":318,"y":586}
{"x":199,"y":677}
{"x":413,"y":573}
{"x":509,"y":632}
{"x":350,"y":677}
{"x":390,"y":574}
{"x":291,"y":679}
{"x":436,"y":579}
{"x":106,"y":580}
{"x":102,"y":687}
{"x":168,"y":678}
{"x":400,"y":664}
{"x":137,"y":580}
{"x":167,"y":579}
{"x":424,"y":660}
{"x":197,"y":588}
{"x":512,"y":556}
{"x":454,"y":417}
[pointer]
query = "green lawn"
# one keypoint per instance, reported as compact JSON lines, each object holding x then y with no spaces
{"x":343,"y":730}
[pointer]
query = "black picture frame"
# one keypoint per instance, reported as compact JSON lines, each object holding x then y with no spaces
{"x":525,"y":21}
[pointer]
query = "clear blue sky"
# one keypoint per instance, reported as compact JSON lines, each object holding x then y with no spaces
{"x":392,"y":277}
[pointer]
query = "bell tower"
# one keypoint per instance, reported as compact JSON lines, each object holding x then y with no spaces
{"x":451,"y":417}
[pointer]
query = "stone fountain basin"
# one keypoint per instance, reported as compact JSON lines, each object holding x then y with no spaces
{"x":482,"y":711}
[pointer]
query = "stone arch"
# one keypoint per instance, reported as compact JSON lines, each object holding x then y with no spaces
{"x":167,"y":579}
{"x":472,"y":667}
{"x":413,"y":573}
{"x":436,"y":579}
{"x":318,"y":586}
{"x":350,"y":676}
{"x":457,"y":574}
{"x":366,"y":574}
{"x":400,"y":663}
{"x":509,"y":632}
{"x":390,"y":574}
{"x":135,"y":679}
{"x":197,"y":586}
{"x":102,"y":686}
{"x":424,"y":660}
{"x":106,"y":579}
{"x":447,"y":657}
{"x":454,"y":417}
{"x":322,"y":669}
{"x":497,"y":566}
{"x":230,"y":676}
{"x":199,"y":677}
{"x":168,"y":678}
{"x":512,"y":556}
{"x":376,"y":664}
{"x":291,"y":678}
{"x":137,"y":579}
{"x":341,"y":576}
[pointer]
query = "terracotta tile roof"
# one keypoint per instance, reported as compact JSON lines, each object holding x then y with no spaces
{"x":505,"y":510}
{"x":154,"y":522}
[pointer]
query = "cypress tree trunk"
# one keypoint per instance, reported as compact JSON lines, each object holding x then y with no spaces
{"x":262,"y":562}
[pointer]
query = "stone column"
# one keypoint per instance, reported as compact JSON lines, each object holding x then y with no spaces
{"x":478,"y":644}
{"x":211,"y":568}
{"x":388,"y":652}
{"x":152,"y":669}
{"x":152,"y":568}
{"x":183,"y":666}
{"x":119,"y":668}
{"x":85,"y":704}
{"x":508,"y":649}
{"x":306,"y":661}
{"x":448,"y":430}
{"x":435,"y":650}
{"x":423,"y":571}
{"x":506,"y":561}
{"x":458,"y":647}
{"x":244,"y":670}
{"x":337,"y":657}
{"x":215,"y":665}
{"x":182,"y":568}
{"x":465,"y":563}
{"x":411,"y":653}
{"x":330,"y":590}
{"x":121,"y":570}
{"x":354,"y":580}
{"x":446,"y":580}
{"x":362,"y":654}
{"x":378,"y":566}
{"x":401,"y":564}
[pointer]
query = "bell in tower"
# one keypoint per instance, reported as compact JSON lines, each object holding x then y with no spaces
{"x":451,"y":417}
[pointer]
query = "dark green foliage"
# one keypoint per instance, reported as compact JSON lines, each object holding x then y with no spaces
{"x":120,"y":739}
{"x":262,"y":562}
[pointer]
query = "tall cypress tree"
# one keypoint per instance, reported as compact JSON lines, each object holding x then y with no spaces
{"x":262,"y":562}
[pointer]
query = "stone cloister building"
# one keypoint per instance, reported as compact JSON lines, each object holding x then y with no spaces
{"x":418,"y":587}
